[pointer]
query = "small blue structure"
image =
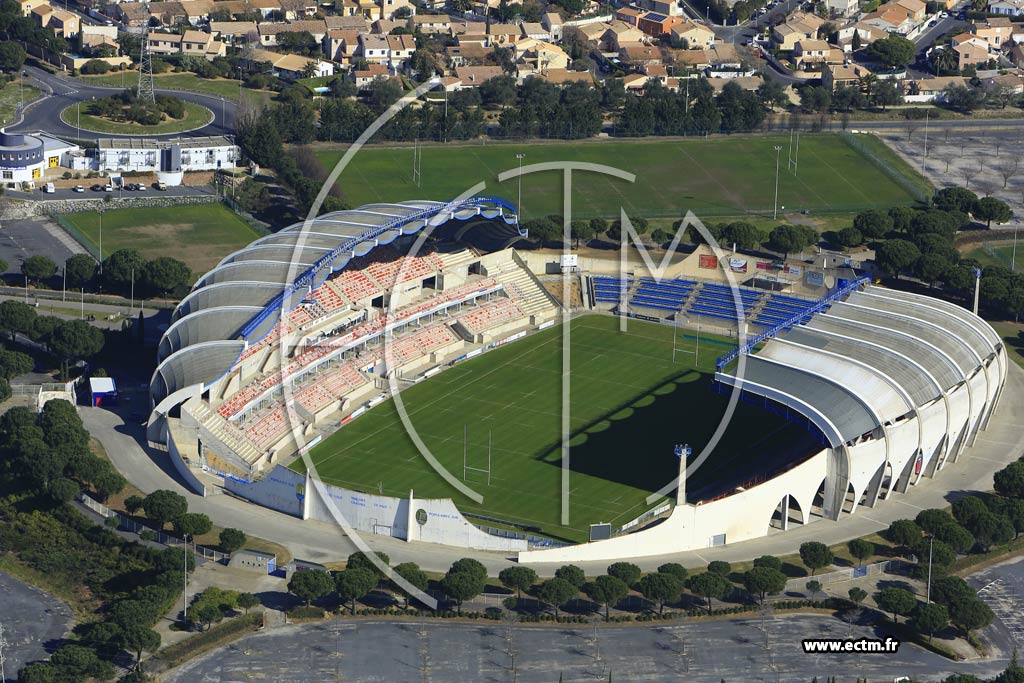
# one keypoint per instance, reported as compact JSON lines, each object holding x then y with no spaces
{"x":102,"y":391}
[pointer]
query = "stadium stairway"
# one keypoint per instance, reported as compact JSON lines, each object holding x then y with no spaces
{"x":224,"y":432}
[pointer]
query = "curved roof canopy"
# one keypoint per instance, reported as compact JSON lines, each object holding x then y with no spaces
{"x":869,"y":360}
{"x":239,"y":301}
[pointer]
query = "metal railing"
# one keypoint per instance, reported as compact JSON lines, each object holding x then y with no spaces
{"x":850,"y":573}
{"x":771,"y":332}
{"x":126,"y":524}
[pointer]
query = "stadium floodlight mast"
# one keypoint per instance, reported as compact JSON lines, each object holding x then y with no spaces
{"x":519,"y":198}
{"x":778,"y":156}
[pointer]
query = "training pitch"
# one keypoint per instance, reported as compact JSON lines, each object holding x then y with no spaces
{"x":630,"y":404}
{"x":728,"y":176}
{"x":200,"y":235}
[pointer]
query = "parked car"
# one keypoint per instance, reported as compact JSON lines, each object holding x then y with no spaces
{"x":48,"y":188}
{"x":933,"y":22}
{"x":140,"y":187}
{"x":79,"y":188}
{"x":160,"y":186}
{"x":108,"y":188}
{"x":96,"y":187}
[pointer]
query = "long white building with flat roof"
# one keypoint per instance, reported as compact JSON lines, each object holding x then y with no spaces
{"x":169,"y":156}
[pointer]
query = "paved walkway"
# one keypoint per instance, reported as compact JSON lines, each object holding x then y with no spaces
{"x":149,"y":470}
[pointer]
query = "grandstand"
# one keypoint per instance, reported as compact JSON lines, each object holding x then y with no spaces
{"x":276,"y":375}
{"x":687,"y":299}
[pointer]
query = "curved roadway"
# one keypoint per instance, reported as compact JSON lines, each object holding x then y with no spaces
{"x":61,"y":92}
{"x":149,"y":470}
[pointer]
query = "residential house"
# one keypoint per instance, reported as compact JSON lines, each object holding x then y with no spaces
{"x":553,"y":23}
{"x":95,"y":43}
{"x":628,"y":15}
{"x":915,"y":8}
{"x":197,"y":11}
{"x":669,"y":8}
{"x":131,"y":14}
{"x":390,"y":8}
{"x":658,"y":25}
{"x":866,"y":32}
{"x":535,"y":30}
{"x":696,"y":35}
{"x":691,"y":60}
{"x":1016,"y":56}
{"x":470,"y":54}
{"x":370,"y":9}
{"x":891,"y":19}
{"x":724,"y":56}
{"x":348,"y":8}
{"x":295,"y":10}
{"x":350,"y":23}
{"x":202,"y":44}
{"x":1011,"y":82}
{"x":363,"y":77}
{"x":465,"y":27}
{"x":400,"y":49}
{"x":293,"y":67}
{"x":619,"y":33}
{"x":373,"y":48}
{"x":386,"y":26}
{"x":429,"y":23}
{"x":970,"y":53}
{"x":592,"y":32}
{"x":640,"y":54}
{"x":1011,"y":8}
{"x":842,"y":8}
{"x":536,"y":56}
{"x":473,"y":76}
{"x":800,"y":26}
{"x":27,"y":5}
{"x":269,"y":32}
{"x":566,"y":77}
{"x":810,"y":52}
{"x":504,"y":35}
{"x":751,"y":83}
{"x":933,"y":89}
{"x":843,"y":75}
{"x":341,"y":45}
{"x":235,"y":32}
{"x":169,"y":13}
{"x":995,"y":31}
{"x":161,"y":43}
{"x":635,"y":83}
{"x":64,"y":24}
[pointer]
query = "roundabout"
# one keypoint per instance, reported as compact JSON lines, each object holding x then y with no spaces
{"x":195,"y":117}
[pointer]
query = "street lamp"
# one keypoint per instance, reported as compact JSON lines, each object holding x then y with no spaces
{"x":100,"y":213}
{"x":778,"y":154}
{"x":519,"y":200}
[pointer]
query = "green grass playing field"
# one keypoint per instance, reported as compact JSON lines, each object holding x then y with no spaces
{"x":630,"y":404}
{"x":716,"y":177}
{"x":998,"y":254}
{"x":200,"y":235}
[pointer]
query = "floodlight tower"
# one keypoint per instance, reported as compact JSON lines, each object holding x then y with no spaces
{"x":146,"y":93}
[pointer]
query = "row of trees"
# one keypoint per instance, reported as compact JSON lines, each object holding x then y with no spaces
{"x":122,"y":270}
{"x":67,"y":340}
{"x":46,"y":462}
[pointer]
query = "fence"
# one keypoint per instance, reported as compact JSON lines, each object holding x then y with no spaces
{"x":77,"y":234}
{"x":126,"y":524}
{"x":533,"y":541}
{"x":915,"y":189}
{"x":850,"y":573}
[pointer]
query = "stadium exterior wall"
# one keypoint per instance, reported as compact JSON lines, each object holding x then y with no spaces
{"x":179,"y":462}
{"x":866,"y":471}
{"x":430,"y":520}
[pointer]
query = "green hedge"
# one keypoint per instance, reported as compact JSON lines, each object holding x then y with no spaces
{"x":179,"y":653}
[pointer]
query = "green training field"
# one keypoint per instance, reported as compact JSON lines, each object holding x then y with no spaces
{"x":200,"y":234}
{"x":629,"y":406}
{"x":714,"y":177}
{"x":998,"y":254}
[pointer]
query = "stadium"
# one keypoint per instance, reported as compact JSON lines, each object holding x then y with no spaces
{"x":849,"y":393}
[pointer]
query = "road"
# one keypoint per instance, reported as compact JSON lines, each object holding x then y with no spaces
{"x":149,"y":470}
{"x":696,"y":652}
{"x":60,"y":92}
{"x":89,"y":193}
{"x":32,"y":620}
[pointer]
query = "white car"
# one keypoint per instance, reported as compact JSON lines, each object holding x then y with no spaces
{"x":943,"y":15}
{"x":79,"y":188}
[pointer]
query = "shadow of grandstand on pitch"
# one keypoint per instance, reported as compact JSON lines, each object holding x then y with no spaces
{"x":633,"y":444}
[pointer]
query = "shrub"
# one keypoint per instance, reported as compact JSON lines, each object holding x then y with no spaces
{"x":95,"y":66}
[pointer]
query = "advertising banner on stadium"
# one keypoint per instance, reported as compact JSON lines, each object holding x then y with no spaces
{"x":707,"y":261}
{"x":815,"y":278}
{"x":793,"y":270}
{"x":738,"y":265}
{"x":764,"y":265}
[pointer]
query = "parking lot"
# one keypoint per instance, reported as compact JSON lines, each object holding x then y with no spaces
{"x":31,"y":619}
{"x":20,"y":239}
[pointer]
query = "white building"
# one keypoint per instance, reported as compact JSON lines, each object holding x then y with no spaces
{"x":167,"y":156}
{"x":25,"y":157}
